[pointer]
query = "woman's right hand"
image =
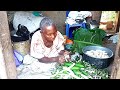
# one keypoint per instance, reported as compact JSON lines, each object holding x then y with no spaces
{"x":61,"y":59}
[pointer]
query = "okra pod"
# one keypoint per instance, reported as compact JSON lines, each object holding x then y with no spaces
{"x":77,"y":72}
{"x":85,"y":73}
{"x":75,"y":68}
{"x":68,"y":64}
{"x":79,"y":65}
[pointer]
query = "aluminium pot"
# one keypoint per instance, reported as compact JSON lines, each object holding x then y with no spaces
{"x":99,"y":63}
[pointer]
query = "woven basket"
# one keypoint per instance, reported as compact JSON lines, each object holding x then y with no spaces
{"x":22,"y":47}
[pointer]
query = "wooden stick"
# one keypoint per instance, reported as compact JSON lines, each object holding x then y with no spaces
{"x":115,"y":73}
{"x":6,"y":44}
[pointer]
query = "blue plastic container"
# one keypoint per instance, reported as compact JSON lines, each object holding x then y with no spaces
{"x":70,"y":28}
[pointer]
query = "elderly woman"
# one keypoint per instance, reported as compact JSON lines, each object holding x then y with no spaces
{"x":47,"y":44}
{"x":46,"y":51}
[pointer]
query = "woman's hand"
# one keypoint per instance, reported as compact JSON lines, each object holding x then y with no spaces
{"x":61,"y":59}
{"x":67,"y":55}
{"x":64,"y":56}
{"x":64,"y":52}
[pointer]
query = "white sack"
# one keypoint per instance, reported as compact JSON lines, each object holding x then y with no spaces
{"x":27,"y":19}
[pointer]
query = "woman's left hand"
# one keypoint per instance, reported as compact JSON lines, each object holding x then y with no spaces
{"x":67,"y":55}
{"x":66,"y":52}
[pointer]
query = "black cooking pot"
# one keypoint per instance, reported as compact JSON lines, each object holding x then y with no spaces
{"x":98,"y":62}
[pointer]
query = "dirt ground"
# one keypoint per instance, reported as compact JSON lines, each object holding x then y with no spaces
{"x":107,"y":43}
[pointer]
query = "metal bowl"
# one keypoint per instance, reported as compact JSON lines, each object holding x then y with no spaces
{"x":98,"y":62}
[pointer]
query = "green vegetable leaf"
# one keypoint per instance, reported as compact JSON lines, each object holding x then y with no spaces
{"x":84,"y":37}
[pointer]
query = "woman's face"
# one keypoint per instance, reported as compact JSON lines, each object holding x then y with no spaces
{"x":50,"y":33}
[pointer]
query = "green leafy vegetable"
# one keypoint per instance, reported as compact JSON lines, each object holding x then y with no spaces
{"x":85,"y":37}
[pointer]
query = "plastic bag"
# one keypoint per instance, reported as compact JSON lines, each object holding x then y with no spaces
{"x":27,"y":19}
{"x":18,"y":58}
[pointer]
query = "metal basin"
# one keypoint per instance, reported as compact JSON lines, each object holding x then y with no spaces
{"x":98,"y":62}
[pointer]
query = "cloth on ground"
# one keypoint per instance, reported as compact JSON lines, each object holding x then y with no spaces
{"x":33,"y":69}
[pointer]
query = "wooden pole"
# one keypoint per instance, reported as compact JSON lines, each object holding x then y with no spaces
{"x":115,"y":73}
{"x":117,"y":22}
{"x":6,"y":44}
{"x":3,"y":74}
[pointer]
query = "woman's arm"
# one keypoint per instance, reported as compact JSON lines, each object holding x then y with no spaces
{"x":59,"y":59}
{"x":48,"y":60}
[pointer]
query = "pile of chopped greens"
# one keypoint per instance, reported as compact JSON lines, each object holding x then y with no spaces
{"x":84,"y":37}
{"x":79,"y":70}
